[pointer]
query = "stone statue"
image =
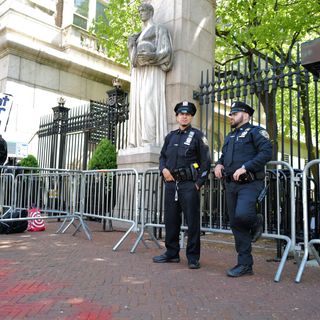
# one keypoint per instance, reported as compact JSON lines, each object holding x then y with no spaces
{"x":151,"y":56}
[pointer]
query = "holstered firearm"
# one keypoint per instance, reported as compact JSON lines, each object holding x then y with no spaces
{"x":244,"y":178}
{"x":186,"y":174}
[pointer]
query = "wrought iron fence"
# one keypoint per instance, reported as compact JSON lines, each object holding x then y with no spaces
{"x":68,"y":137}
{"x":284,"y":95}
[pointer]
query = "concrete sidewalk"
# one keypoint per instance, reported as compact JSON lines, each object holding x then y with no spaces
{"x":50,"y":276}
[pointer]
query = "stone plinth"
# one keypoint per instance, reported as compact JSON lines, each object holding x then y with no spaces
{"x":140,"y":158}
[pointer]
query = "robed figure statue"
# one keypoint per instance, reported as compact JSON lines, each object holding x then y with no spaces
{"x":151,"y":56}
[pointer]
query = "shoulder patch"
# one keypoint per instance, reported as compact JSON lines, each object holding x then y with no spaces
{"x":204,"y":140}
{"x":265,"y":134}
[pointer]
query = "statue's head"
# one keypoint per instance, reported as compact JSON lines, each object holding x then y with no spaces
{"x":147,"y":8}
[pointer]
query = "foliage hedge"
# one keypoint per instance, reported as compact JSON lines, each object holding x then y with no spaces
{"x":104,"y":157}
{"x":29,"y":161}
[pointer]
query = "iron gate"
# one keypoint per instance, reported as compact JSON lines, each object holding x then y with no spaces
{"x":68,"y":137}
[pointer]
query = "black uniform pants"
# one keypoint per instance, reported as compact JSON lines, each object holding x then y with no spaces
{"x":241,"y":202}
{"x":189,"y":203}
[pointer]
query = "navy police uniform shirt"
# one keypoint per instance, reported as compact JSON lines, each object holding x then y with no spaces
{"x":182,"y":148}
{"x":247,"y":146}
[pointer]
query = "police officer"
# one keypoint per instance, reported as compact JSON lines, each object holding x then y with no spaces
{"x":3,"y":150}
{"x":245,"y":152}
{"x":184,"y":164}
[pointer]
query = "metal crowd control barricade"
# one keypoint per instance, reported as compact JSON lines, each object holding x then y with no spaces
{"x":112,"y":195}
{"x":274,"y":212}
{"x":6,"y":190}
{"x":214,"y":217}
{"x":51,"y":191}
{"x":152,"y":197}
{"x":307,"y":243}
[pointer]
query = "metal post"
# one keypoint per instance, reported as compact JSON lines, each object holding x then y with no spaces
{"x":60,"y":120}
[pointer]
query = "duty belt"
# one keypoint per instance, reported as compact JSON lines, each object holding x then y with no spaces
{"x":244,"y":178}
{"x":182,"y":174}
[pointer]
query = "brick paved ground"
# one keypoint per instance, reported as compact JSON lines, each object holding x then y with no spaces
{"x":49,"y":276}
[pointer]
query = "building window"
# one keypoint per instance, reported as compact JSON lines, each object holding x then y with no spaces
{"x":81,"y":13}
{"x":100,"y":6}
{"x":85,"y":11}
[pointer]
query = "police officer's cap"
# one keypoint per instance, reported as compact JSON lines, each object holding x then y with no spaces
{"x":185,"y":107}
{"x":239,"y":106}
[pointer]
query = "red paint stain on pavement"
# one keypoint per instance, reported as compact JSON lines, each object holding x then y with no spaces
{"x":90,"y":311}
{"x":28,"y":287}
{"x":15,"y":293}
{"x":92,"y":315}
{"x":5,"y":262}
{"x":9,"y":309}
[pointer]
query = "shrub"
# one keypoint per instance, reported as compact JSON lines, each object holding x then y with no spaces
{"x":29,"y":161}
{"x":104,"y":157}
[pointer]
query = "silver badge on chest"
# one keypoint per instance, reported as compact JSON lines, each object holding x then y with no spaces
{"x":189,"y":138}
{"x":244,"y":133}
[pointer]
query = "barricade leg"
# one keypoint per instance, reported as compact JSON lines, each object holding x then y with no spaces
{"x":125,"y":235}
{"x":85,"y":228}
{"x":302,"y":264}
{"x":154,"y":238}
{"x":313,"y":249}
{"x":140,"y":238}
{"x":283,"y":259}
{"x":62,"y":228}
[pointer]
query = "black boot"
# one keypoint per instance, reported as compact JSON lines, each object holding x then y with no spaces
{"x":240,"y":270}
{"x":164,"y":258}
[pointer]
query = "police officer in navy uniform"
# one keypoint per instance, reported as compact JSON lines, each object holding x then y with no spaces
{"x":245,"y":152}
{"x":184,"y":164}
{"x":3,"y":150}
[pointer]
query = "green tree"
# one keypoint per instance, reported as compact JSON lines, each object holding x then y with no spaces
{"x":249,"y":28}
{"x":122,"y":20}
{"x":104,"y":157}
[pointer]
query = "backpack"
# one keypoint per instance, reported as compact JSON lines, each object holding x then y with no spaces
{"x":7,"y":227}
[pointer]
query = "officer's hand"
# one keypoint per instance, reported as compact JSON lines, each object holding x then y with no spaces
{"x":238,"y":173}
{"x":167,"y":175}
{"x":218,"y":170}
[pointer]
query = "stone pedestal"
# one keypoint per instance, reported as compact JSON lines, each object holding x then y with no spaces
{"x":140,"y":158}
